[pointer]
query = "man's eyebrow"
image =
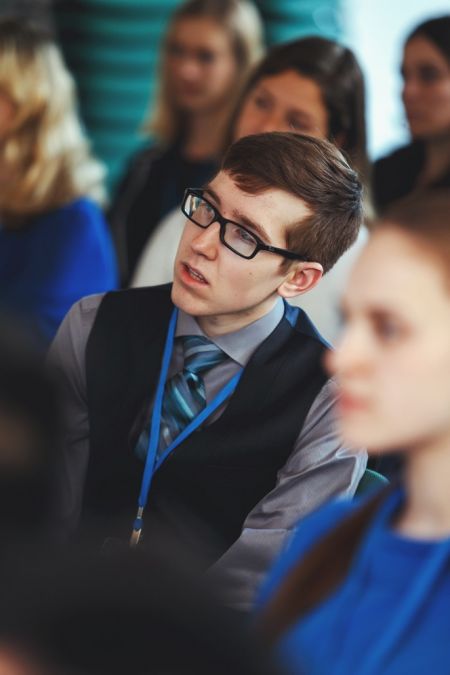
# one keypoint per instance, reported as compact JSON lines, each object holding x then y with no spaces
{"x":240,"y":217}
{"x":213,"y":194}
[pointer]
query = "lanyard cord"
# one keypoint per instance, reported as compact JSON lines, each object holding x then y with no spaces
{"x":151,"y":463}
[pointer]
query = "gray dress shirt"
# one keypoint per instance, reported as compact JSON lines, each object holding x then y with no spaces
{"x":319,"y":467}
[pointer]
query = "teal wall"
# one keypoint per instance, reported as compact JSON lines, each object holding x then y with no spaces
{"x":289,"y":19}
{"x":112,"y":47}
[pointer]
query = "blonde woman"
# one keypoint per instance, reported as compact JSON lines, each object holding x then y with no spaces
{"x":207,"y":53}
{"x":54,"y":242}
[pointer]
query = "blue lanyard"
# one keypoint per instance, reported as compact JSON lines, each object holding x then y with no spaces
{"x":151,"y":463}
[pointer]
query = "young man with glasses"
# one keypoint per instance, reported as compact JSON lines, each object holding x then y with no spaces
{"x":204,"y":403}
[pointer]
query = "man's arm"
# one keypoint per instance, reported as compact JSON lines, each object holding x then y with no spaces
{"x":67,"y":359}
{"x":318,"y":469}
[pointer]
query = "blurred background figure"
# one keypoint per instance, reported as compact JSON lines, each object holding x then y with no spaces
{"x":381,"y":606}
{"x":29,"y":439}
{"x":426,"y":99}
{"x":131,"y":612}
{"x":312,"y":86}
{"x":54,"y":242}
{"x":206,"y":56}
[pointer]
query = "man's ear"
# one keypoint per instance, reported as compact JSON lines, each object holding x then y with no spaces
{"x":301,"y":278}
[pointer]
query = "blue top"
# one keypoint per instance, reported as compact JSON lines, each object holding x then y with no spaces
{"x":390,"y":616}
{"x":54,"y":261}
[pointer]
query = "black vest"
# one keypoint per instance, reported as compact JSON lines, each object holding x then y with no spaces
{"x":220,"y":472}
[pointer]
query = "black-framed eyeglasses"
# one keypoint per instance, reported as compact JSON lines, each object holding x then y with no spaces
{"x":233,"y":235}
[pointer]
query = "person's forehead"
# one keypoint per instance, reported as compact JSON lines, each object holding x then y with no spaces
{"x":291,"y":87}
{"x":198,"y":32}
{"x":420,"y":49}
{"x":392,"y":270}
{"x":267,"y":204}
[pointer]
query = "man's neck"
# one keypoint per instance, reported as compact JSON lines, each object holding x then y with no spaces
{"x":222,"y":324}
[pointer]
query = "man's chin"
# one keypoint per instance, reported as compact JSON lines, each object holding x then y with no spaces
{"x":181,"y":299}
{"x":176,"y":295}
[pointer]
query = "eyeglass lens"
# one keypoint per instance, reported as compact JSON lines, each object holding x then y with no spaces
{"x":237,"y":238}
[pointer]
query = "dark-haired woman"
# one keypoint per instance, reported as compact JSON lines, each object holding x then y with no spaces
{"x":425,"y":162}
{"x":364,"y":586}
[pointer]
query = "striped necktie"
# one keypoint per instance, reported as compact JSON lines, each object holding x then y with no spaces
{"x":184,"y":393}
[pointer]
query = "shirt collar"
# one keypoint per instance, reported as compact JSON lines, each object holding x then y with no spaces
{"x":240,"y":344}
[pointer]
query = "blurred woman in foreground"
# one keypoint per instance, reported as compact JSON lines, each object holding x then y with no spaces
{"x":364,"y":587}
{"x":54,"y":242}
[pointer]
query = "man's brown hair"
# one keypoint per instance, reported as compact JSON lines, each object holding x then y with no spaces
{"x":313,"y":170}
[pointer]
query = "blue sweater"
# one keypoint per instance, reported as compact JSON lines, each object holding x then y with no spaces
{"x":56,"y":259}
{"x":391,"y":615}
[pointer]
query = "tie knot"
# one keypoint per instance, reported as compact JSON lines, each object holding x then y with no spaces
{"x":201,"y":354}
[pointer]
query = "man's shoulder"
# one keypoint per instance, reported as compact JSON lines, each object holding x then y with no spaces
{"x":132,"y":298}
{"x":302,"y":325}
{"x":79,"y":319}
{"x":130,"y":312}
{"x":116,"y":306}
{"x":88,"y":308}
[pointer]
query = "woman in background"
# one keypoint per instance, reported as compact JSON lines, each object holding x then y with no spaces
{"x":363,"y":587}
{"x":425,"y":162}
{"x":54,"y":242}
{"x":312,"y":86}
{"x":207,"y":53}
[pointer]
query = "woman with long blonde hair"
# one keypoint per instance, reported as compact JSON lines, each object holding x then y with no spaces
{"x":54,"y":242}
{"x":207,"y":54}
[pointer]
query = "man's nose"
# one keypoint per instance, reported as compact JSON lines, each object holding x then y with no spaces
{"x":207,"y":241}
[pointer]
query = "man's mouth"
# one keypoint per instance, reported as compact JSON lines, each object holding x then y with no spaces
{"x":194,"y":274}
